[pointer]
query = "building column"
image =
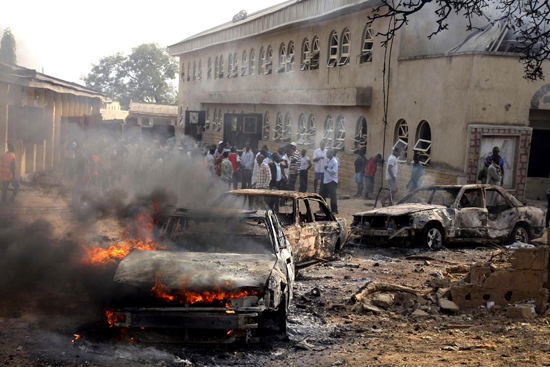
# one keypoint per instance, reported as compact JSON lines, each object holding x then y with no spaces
{"x":57,"y":131}
{"x":4,"y":117}
{"x":71,"y":101}
{"x":40,"y":148}
{"x":49,"y":122}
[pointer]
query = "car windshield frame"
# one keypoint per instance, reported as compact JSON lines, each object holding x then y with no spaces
{"x":455,"y":191}
{"x":177,"y":225}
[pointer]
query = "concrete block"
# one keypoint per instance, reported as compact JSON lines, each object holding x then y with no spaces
{"x":542,"y":300}
{"x":478,"y":274}
{"x":520,"y":312}
{"x":522,"y":259}
{"x":449,"y":306}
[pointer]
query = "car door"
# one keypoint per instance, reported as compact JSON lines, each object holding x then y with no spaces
{"x":285,"y":253}
{"x":327,"y":227}
{"x":306,"y":233}
{"x":502,"y":214}
{"x":471,"y":214}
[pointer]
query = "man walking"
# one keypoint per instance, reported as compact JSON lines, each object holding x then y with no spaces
{"x":247,"y":164}
{"x":360,"y":165}
{"x":417,"y":174}
{"x":330,"y":181}
{"x":320,"y":159}
{"x":305,"y":165}
{"x":294,"y":167}
{"x":7,"y":173}
{"x":391,"y":175}
{"x":370,"y":174}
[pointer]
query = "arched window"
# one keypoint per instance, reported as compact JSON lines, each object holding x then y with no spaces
{"x":287,"y":129}
{"x":262,"y":61}
{"x":199,"y":70}
{"x":301,"y":134}
{"x":315,"y":52}
{"x":221,"y":67}
{"x":282,"y":58}
{"x":344,"y":48}
{"x":207,"y":120}
{"x":328,"y":135}
{"x":230,"y":66}
{"x":360,"y":140}
{"x":311,"y":131}
{"x":306,"y":55}
{"x":423,"y":144}
{"x":182,"y":68}
{"x":215,"y":120}
{"x":220,"y":121}
{"x":401,"y":139}
{"x":189,"y":71}
{"x":216,"y":68}
{"x":340,"y":133}
{"x":333,"y":47}
{"x":366,"y":47}
{"x":252,"y":62}
{"x":278,"y":131}
{"x":235,"y":65}
{"x":269,"y":60}
{"x":265,"y":126}
{"x":194,"y":70}
{"x":244,"y":67}
{"x":290,"y":57}
{"x":209,"y":70}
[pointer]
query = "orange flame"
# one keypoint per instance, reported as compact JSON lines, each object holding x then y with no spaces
{"x":111,"y":318}
{"x":182,"y":295}
{"x":144,"y":226}
{"x":76,"y":337}
{"x":230,"y":332}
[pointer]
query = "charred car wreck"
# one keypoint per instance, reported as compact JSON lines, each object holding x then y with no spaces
{"x":311,"y":228}
{"x":228,"y":275}
{"x":434,"y":215}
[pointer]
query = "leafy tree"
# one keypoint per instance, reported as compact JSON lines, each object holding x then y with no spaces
{"x":142,"y":76}
{"x":8,"y":48}
{"x":529,"y":20}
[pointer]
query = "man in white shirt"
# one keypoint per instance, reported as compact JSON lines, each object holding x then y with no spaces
{"x":320,"y":160}
{"x":330,"y":181}
{"x":247,"y":163}
{"x":305,"y":165}
{"x":391,"y":174}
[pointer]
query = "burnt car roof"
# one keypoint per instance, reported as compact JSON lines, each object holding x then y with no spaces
{"x":214,"y":213}
{"x":278,"y":193}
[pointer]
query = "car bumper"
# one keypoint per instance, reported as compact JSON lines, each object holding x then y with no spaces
{"x":384,"y":233}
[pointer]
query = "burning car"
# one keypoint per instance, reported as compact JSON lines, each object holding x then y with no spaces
{"x":436,"y":214}
{"x":227,"y":275}
{"x":313,"y":231}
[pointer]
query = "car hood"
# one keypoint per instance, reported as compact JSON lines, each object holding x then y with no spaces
{"x":195,"y":270}
{"x":401,"y":209}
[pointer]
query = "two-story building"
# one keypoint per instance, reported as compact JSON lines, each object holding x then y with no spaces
{"x":305,"y":71}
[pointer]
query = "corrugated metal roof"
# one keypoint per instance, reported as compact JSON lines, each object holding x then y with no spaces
{"x":285,"y":15}
{"x":153,"y":109}
{"x":114,"y":114}
{"x":31,"y":78}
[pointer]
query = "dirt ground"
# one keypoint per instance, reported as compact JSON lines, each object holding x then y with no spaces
{"x":325,"y":327}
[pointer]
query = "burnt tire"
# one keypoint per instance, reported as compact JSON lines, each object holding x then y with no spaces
{"x":520,"y":233}
{"x":432,"y":237}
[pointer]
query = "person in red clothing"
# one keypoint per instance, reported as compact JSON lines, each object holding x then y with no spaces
{"x":235,"y":160}
{"x":370,"y":173}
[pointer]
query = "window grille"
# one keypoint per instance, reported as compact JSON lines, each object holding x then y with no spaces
{"x":301,"y":133}
{"x":290,"y":57}
{"x":269,"y":61}
{"x":315,"y":52}
{"x":401,"y":139}
{"x":333,"y":50}
{"x":287,"y":128}
{"x":345,"y":48}
{"x":209,"y":70}
{"x":230,"y":66}
{"x":311,"y":131}
{"x":306,"y":55}
{"x":194,"y":70}
{"x":252,"y":62}
{"x":279,"y":126}
{"x":423,"y":144}
{"x":262,"y":61}
{"x":340,"y":136}
{"x":216,"y":68}
{"x":328,"y":135}
{"x":265,"y":127}
{"x":199,"y":71}
{"x":235,"y":71}
{"x":282,"y":59}
{"x":244,"y":67}
{"x":360,"y":139}
{"x":189,"y":71}
{"x":368,"y":43}
{"x":220,"y":75}
{"x":207,"y":121}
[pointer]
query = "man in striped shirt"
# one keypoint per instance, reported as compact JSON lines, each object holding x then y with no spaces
{"x":263,"y":176}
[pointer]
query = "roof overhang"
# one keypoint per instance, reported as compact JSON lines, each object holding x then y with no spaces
{"x":274,"y":19}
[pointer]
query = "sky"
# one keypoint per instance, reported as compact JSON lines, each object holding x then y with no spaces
{"x":64,"y":38}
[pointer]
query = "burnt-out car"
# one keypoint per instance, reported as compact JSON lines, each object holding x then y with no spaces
{"x":311,"y":228}
{"x":434,"y":215}
{"x":226,"y":275}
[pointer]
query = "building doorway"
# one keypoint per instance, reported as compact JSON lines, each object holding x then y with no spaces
{"x":538,"y":169}
{"x":242,"y":128}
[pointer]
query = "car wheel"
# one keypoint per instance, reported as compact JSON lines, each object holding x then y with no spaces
{"x":432,"y":237}
{"x":519,"y":234}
